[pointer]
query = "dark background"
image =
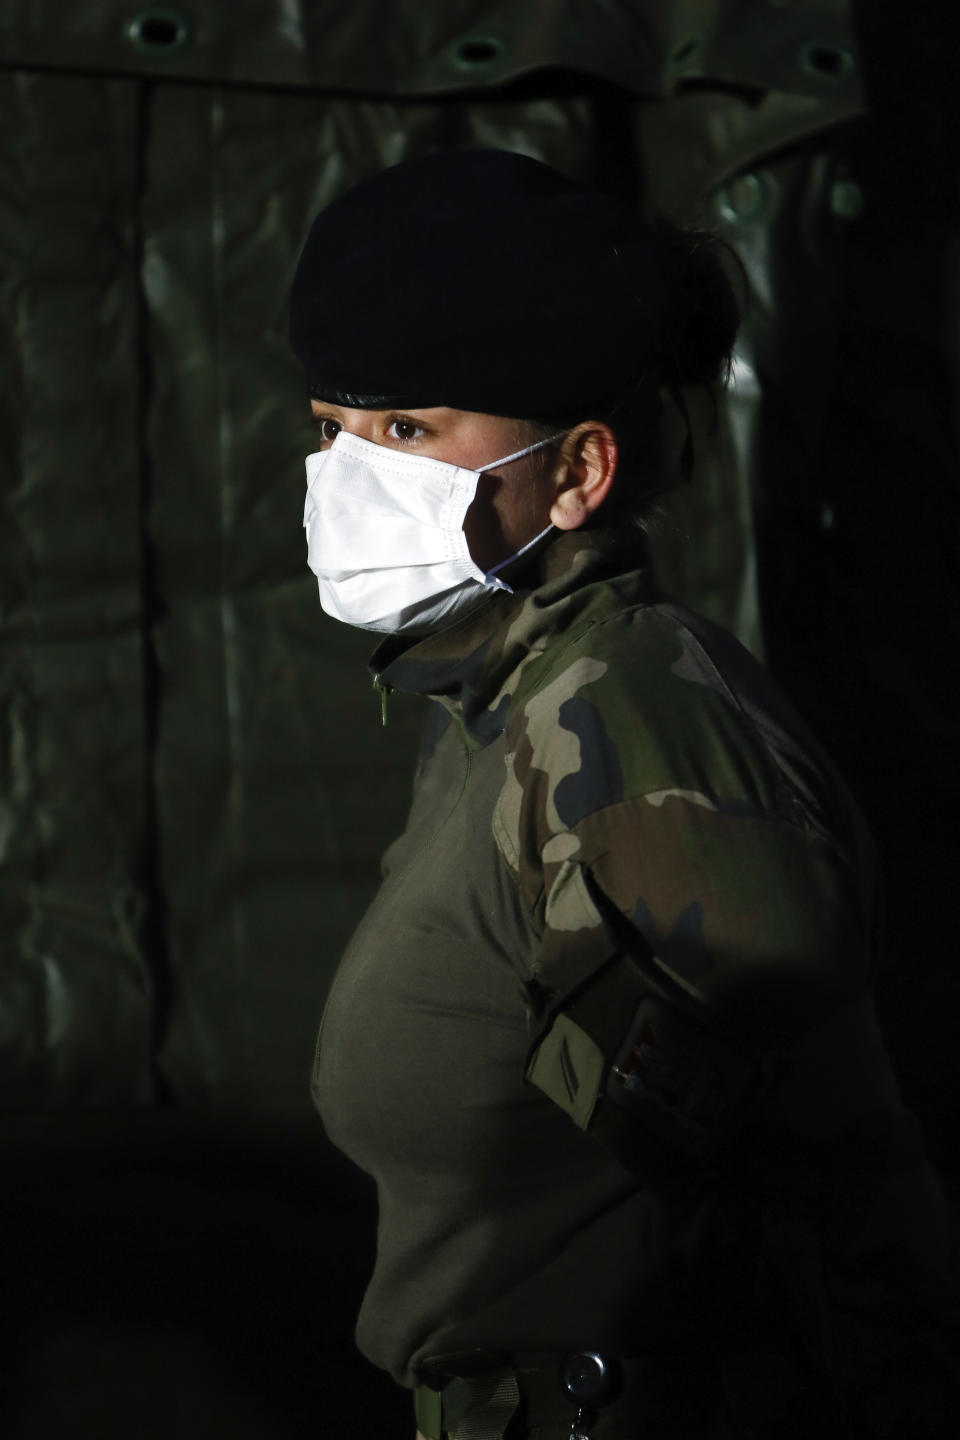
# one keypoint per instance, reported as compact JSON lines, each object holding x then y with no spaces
{"x":194,"y":784}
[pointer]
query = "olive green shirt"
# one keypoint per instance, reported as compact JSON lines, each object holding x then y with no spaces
{"x":598,"y":749}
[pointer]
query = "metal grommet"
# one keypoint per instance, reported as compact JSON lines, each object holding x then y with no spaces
{"x":158,"y":31}
{"x":846,"y":199}
{"x":743,"y":200}
{"x":826,"y":62}
{"x":476,"y":52}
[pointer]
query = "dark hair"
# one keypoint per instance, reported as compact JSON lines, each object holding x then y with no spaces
{"x":698,"y":316}
{"x":702,"y":315}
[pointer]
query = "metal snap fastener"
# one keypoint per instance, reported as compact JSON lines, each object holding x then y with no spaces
{"x":586,"y":1377}
{"x":158,"y":31}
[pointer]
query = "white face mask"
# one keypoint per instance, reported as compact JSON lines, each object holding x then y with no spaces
{"x":385,"y":536}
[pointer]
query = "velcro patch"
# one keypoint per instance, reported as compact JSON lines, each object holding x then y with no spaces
{"x":568,"y":1066}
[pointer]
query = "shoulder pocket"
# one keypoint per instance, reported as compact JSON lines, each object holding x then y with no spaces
{"x":633,"y":1061}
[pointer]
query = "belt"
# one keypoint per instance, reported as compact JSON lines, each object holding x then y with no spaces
{"x":493,"y":1395}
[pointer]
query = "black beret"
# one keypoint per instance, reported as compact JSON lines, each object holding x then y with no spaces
{"x":478,"y":279}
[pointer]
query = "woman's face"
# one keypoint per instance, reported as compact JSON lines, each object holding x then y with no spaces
{"x":512,"y":502}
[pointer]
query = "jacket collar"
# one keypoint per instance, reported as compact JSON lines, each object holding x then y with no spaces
{"x":472,"y":667}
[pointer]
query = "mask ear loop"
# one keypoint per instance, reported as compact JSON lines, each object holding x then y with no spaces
{"x":518,"y":454}
{"x":492,"y":578}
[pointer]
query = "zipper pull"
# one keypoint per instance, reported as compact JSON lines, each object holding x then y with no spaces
{"x":384,"y":691}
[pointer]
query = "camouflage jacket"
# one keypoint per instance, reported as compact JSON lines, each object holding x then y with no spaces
{"x":683,"y":893}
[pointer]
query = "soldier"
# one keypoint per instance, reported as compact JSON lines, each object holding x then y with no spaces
{"x":605,"y":1038}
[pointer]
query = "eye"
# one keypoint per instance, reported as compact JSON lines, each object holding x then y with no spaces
{"x":404,"y":430}
{"x":327,"y":428}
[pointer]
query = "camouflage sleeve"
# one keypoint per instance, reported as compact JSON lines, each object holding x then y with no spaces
{"x":703,"y":982}
{"x":633,"y":771}
{"x":672,"y":839}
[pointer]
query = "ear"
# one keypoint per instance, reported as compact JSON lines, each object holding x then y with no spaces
{"x":584,"y":474}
